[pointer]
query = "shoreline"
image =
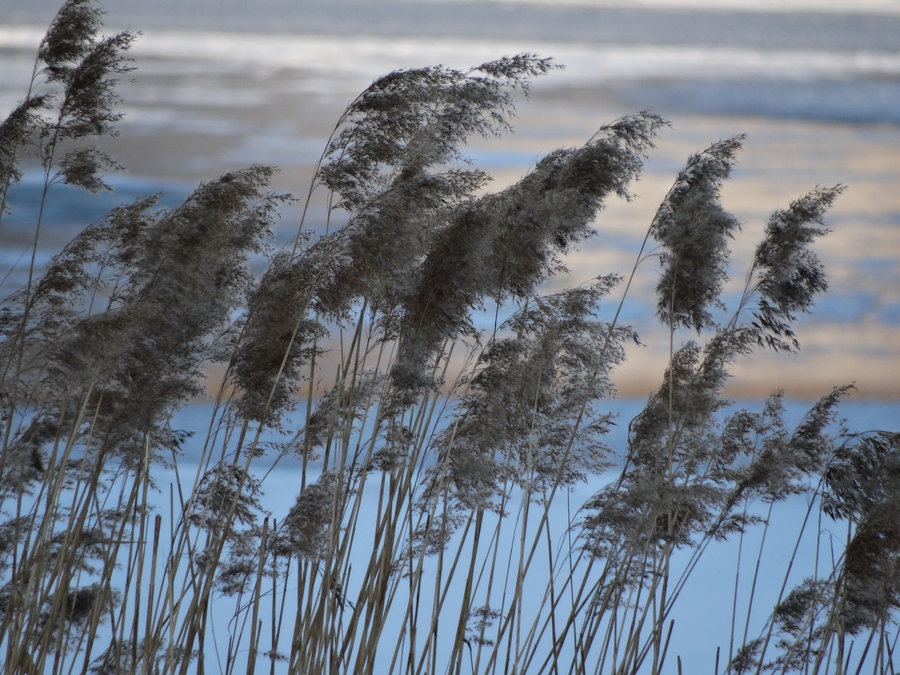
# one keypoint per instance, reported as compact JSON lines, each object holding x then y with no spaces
{"x":779,"y":163}
{"x":172,"y":138}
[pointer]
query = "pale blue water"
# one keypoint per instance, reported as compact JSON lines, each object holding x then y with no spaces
{"x":702,"y":614}
{"x":838,"y":26}
{"x":770,"y":62}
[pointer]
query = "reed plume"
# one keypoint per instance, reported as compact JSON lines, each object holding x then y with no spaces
{"x":423,"y":461}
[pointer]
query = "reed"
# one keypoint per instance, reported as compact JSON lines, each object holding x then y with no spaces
{"x":433,"y":460}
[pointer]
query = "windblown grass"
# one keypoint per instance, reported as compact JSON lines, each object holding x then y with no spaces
{"x":429,"y":531}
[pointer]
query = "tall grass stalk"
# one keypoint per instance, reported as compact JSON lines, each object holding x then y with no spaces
{"x":431,"y":461}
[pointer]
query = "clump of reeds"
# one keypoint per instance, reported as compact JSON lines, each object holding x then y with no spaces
{"x":429,"y":529}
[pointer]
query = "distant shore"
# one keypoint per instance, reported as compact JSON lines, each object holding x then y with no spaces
{"x":192,"y":121}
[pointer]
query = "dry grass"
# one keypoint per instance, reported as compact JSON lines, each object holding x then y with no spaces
{"x":431,"y":529}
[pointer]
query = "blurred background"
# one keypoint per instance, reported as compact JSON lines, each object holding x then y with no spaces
{"x":221,"y":84}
